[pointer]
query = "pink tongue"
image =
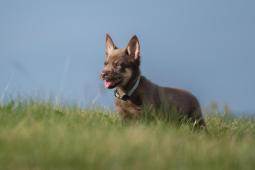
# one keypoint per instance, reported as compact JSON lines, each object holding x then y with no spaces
{"x":107,"y":84}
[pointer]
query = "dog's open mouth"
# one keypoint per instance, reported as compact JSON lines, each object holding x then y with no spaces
{"x":109,"y":84}
{"x":110,"y":80}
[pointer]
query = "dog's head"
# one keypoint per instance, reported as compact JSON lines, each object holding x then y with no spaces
{"x":121,"y":65}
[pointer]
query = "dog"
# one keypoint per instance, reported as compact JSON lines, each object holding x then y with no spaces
{"x":133,"y":92}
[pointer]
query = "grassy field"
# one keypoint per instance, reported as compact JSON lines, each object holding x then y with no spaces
{"x":36,"y":135}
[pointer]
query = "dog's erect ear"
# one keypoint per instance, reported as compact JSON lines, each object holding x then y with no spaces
{"x":109,"y":44}
{"x":133,"y":47}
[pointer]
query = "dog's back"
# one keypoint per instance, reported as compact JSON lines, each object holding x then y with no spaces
{"x":164,"y":100}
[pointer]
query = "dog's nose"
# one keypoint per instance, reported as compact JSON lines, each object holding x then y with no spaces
{"x":104,"y":73}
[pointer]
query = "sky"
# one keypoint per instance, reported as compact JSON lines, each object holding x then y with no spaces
{"x":55,"y":49}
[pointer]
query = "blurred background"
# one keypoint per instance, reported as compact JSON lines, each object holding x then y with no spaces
{"x":54,"y":50}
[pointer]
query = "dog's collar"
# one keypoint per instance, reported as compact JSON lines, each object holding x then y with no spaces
{"x":126,"y":96}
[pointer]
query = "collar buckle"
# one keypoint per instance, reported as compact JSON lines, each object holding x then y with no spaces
{"x":126,"y":96}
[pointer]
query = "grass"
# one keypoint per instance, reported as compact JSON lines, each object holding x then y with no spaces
{"x":38,"y":136}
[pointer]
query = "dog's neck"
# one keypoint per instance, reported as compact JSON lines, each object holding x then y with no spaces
{"x":127,"y":92}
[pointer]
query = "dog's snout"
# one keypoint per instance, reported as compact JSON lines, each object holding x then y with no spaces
{"x":104,"y":73}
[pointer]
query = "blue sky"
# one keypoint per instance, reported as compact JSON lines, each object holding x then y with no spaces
{"x":56,"y":48}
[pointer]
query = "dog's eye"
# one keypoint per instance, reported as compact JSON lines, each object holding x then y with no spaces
{"x":105,"y":63}
{"x":120,"y":66}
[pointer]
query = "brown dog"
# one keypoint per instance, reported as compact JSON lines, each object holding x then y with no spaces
{"x":134,"y":92}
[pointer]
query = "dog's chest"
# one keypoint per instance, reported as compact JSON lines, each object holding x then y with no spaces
{"x":129,"y":108}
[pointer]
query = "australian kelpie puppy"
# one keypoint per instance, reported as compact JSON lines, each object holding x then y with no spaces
{"x":134,"y":92}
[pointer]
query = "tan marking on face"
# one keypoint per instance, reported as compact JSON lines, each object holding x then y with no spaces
{"x":126,"y":76}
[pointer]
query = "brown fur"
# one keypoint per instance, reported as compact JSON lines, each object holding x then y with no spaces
{"x":122,"y":70}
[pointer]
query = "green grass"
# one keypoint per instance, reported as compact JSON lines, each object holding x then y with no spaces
{"x":36,"y":135}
